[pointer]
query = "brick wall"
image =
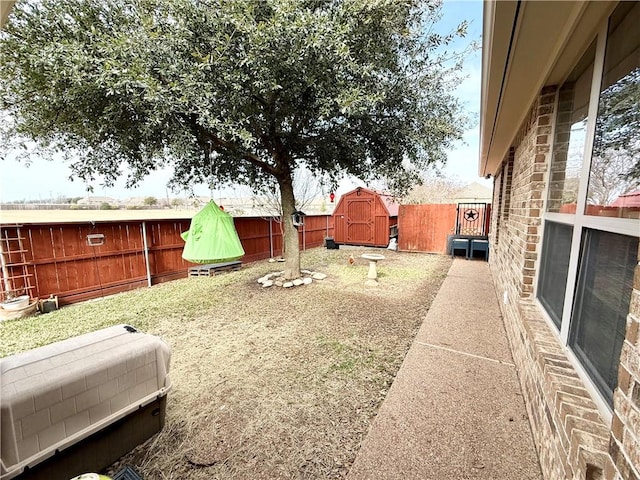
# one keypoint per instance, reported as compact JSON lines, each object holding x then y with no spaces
{"x":572,"y":438}
{"x":496,"y":212}
{"x":557,"y":175}
{"x":624,"y":445}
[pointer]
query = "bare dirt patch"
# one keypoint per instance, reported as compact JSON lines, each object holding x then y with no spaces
{"x":268,"y":383}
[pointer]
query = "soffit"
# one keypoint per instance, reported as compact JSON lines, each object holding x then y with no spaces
{"x":592,"y":18}
{"x":5,"y":8}
{"x":544,"y":40}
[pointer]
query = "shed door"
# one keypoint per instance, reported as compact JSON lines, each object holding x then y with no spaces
{"x":360,"y":224}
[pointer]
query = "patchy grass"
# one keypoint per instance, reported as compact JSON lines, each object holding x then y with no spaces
{"x":267,"y":383}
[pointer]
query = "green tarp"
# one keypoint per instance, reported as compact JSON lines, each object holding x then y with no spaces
{"x":212,"y":237}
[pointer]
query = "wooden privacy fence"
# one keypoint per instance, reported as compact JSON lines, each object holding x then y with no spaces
{"x":425,"y":228}
{"x":79,"y":261}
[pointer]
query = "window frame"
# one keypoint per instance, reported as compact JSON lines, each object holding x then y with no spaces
{"x":580,"y":222}
{"x":588,"y":255}
{"x":539,"y":277}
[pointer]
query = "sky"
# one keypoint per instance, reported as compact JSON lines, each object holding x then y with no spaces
{"x":45,"y":179}
{"x":463,"y":157}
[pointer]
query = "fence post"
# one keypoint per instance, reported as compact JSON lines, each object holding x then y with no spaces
{"x":270,"y":239}
{"x":146,"y":252}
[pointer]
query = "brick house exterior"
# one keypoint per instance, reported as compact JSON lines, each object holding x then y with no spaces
{"x":585,"y":422}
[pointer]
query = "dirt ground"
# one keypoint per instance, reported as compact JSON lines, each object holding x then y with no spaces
{"x":270,"y":383}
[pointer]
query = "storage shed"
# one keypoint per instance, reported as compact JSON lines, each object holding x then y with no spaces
{"x":365,"y":217}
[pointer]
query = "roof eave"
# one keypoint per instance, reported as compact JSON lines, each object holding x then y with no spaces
{"x":520,"y":56}
{"x":5,"y":8}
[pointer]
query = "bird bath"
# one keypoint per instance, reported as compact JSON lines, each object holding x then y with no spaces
{"x":373,"y":272}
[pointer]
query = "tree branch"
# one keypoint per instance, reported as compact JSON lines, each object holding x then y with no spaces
{"x":248,"y":156}
{"x":223,"y":146}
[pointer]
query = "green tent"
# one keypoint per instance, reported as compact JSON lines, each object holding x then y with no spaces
{"x":212,"y":237}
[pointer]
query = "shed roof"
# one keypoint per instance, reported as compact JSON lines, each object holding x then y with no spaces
{"x":629,"y":200}
{"x":391,"y":204}
{"x":388,"y":200}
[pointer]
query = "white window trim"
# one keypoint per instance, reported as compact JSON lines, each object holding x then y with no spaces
{"x":566,"y":218}
{"x":601,"y":403}
{"x":579,"y":221}
{"x":623,"y":226}
{"x":598,"y":66}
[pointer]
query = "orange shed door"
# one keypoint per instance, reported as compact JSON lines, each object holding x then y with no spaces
{"x":360,"y":226}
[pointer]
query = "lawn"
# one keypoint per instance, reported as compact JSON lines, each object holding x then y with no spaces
{"x":267,"y":382}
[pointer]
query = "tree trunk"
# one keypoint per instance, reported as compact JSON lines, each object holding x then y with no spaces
{"x":291,"y":241}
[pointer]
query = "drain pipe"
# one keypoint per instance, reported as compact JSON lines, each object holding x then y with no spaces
{"x":146,"y":252}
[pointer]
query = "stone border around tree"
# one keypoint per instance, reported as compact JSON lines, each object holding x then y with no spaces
{"x":277,"y":279}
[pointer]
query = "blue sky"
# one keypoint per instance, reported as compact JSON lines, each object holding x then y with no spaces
{"x":45,"y":179}
{"x":463,"y":158}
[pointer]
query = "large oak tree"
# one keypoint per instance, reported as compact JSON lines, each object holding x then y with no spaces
{"x":240,"y":91}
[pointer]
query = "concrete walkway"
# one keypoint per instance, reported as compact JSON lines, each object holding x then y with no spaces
{"x":455,"y":409}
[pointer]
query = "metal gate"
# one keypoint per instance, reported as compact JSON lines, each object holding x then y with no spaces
{"x":472,"y":219}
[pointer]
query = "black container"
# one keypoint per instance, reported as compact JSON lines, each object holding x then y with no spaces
{"x":330,"y":243}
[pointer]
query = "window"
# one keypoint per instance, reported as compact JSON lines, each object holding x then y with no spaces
{"x":592,"y":217}
{"x":570,"y":136}
{"x":605,"y":283}
{"x":614,"y":177}
{"x":556,"y":249}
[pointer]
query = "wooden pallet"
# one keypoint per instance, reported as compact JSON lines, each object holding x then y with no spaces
{"x":212,"y":269}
